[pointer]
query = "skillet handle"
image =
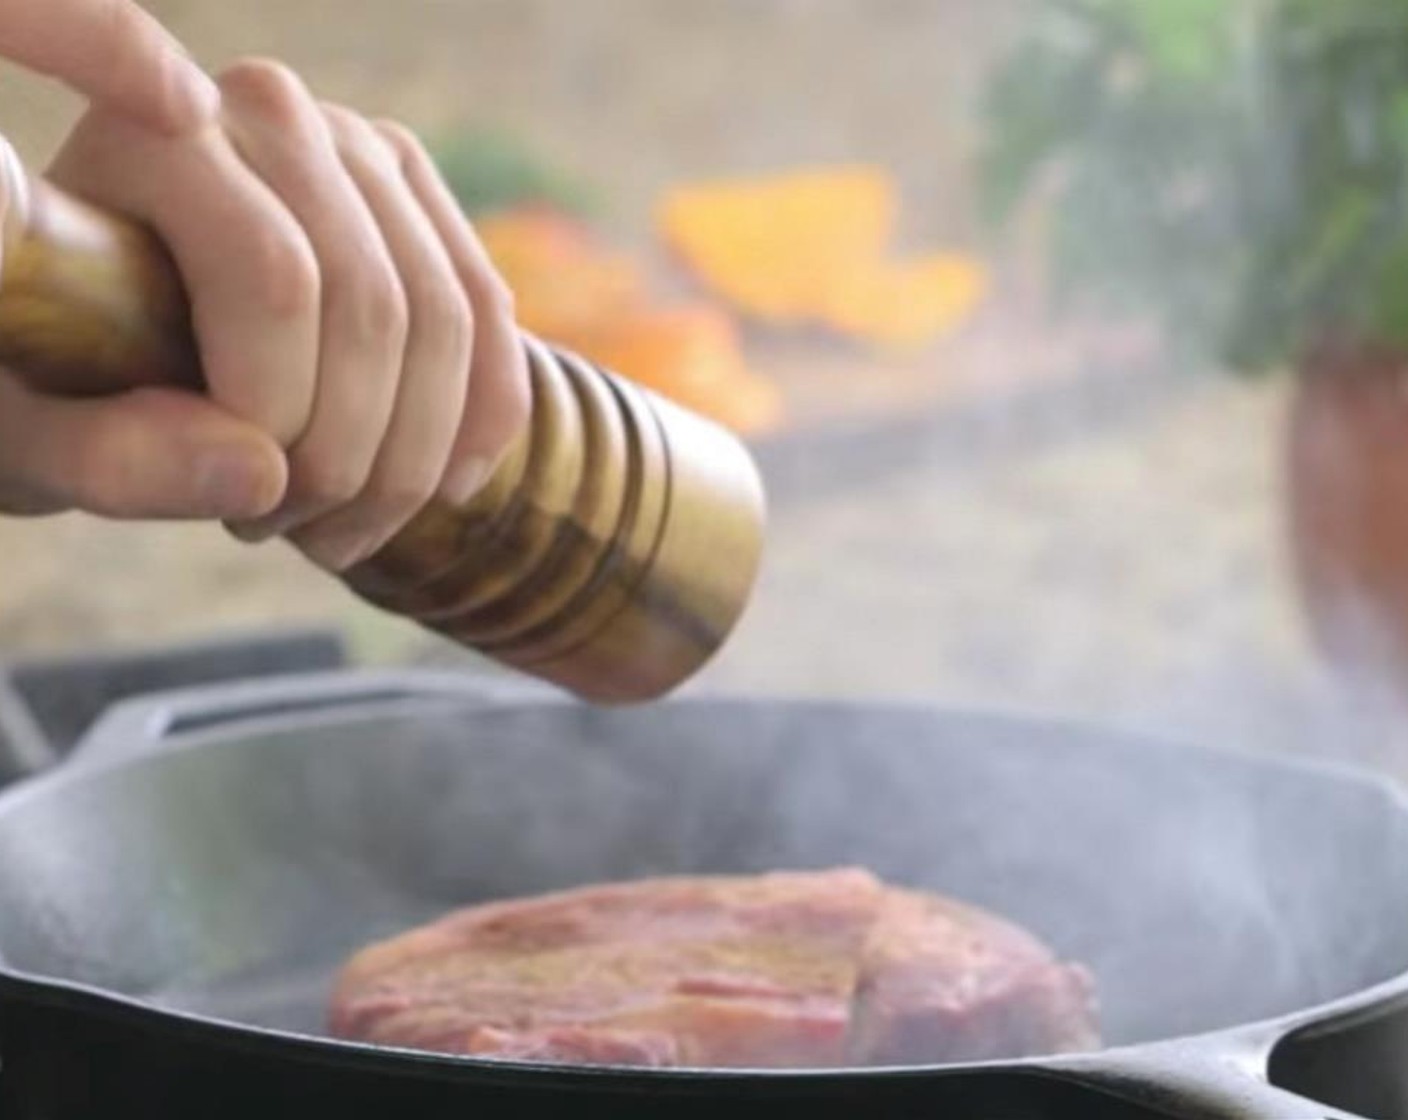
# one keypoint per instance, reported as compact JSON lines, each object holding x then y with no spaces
{"x":1194,"y":1082}
{"x":164,"y":720}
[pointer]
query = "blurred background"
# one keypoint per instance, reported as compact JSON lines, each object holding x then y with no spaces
{"x":1065,"y":331}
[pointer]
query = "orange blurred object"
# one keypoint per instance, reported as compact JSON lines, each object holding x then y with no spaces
{"x":771,"y":245}
{"x":903,"y":305}
{"x":573,"y":291}
{"x":812,"y":247}
{"x":561,"y":275}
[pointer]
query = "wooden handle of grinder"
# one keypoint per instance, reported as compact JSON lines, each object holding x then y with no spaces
{"x":90,"y":304}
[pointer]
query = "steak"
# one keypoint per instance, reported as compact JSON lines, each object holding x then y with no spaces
{"x":784,"y":970}
{"x":944,"y":982}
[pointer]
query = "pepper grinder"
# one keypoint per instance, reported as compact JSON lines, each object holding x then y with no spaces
{"x":610,"y":554}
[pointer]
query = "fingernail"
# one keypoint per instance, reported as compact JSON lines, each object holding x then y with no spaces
{"x":466,"y":479}
{"x":231,"y":483}
{"x":250,"y":532}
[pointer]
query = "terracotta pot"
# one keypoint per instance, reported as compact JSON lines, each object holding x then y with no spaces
{"x":1347,"y":472}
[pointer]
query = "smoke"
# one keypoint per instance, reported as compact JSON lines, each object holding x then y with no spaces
{"x":1203,"y":889}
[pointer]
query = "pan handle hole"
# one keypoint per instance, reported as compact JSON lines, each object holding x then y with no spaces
{"x":1357,"y":1065}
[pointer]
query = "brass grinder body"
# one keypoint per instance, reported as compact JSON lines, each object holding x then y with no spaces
{"x":611,"y":554}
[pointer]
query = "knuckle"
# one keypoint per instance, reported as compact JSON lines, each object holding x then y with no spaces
{"x":359,"y":139}
{"x":341,"y":120}
{"x":270,"y":89}
{"x":443,"y":311}
{"x":285,"y":272}
{"x":135,"y":71}
{"x":374,"y":301}
{"x":338,"y":113}
{"x":405,"y":143}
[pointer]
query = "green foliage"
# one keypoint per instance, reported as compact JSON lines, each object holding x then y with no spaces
{"x":1239,"y":166}
{"x":489,"y":169}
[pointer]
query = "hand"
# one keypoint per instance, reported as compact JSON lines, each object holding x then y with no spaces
{"x":344,"y":308}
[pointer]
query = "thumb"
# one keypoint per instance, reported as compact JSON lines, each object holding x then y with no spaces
{"x":149,"y":454}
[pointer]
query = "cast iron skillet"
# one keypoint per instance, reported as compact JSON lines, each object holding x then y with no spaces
{"x":174,"y":899}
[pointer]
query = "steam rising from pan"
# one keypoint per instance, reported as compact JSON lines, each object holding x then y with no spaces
{"x":1203,"y":891}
